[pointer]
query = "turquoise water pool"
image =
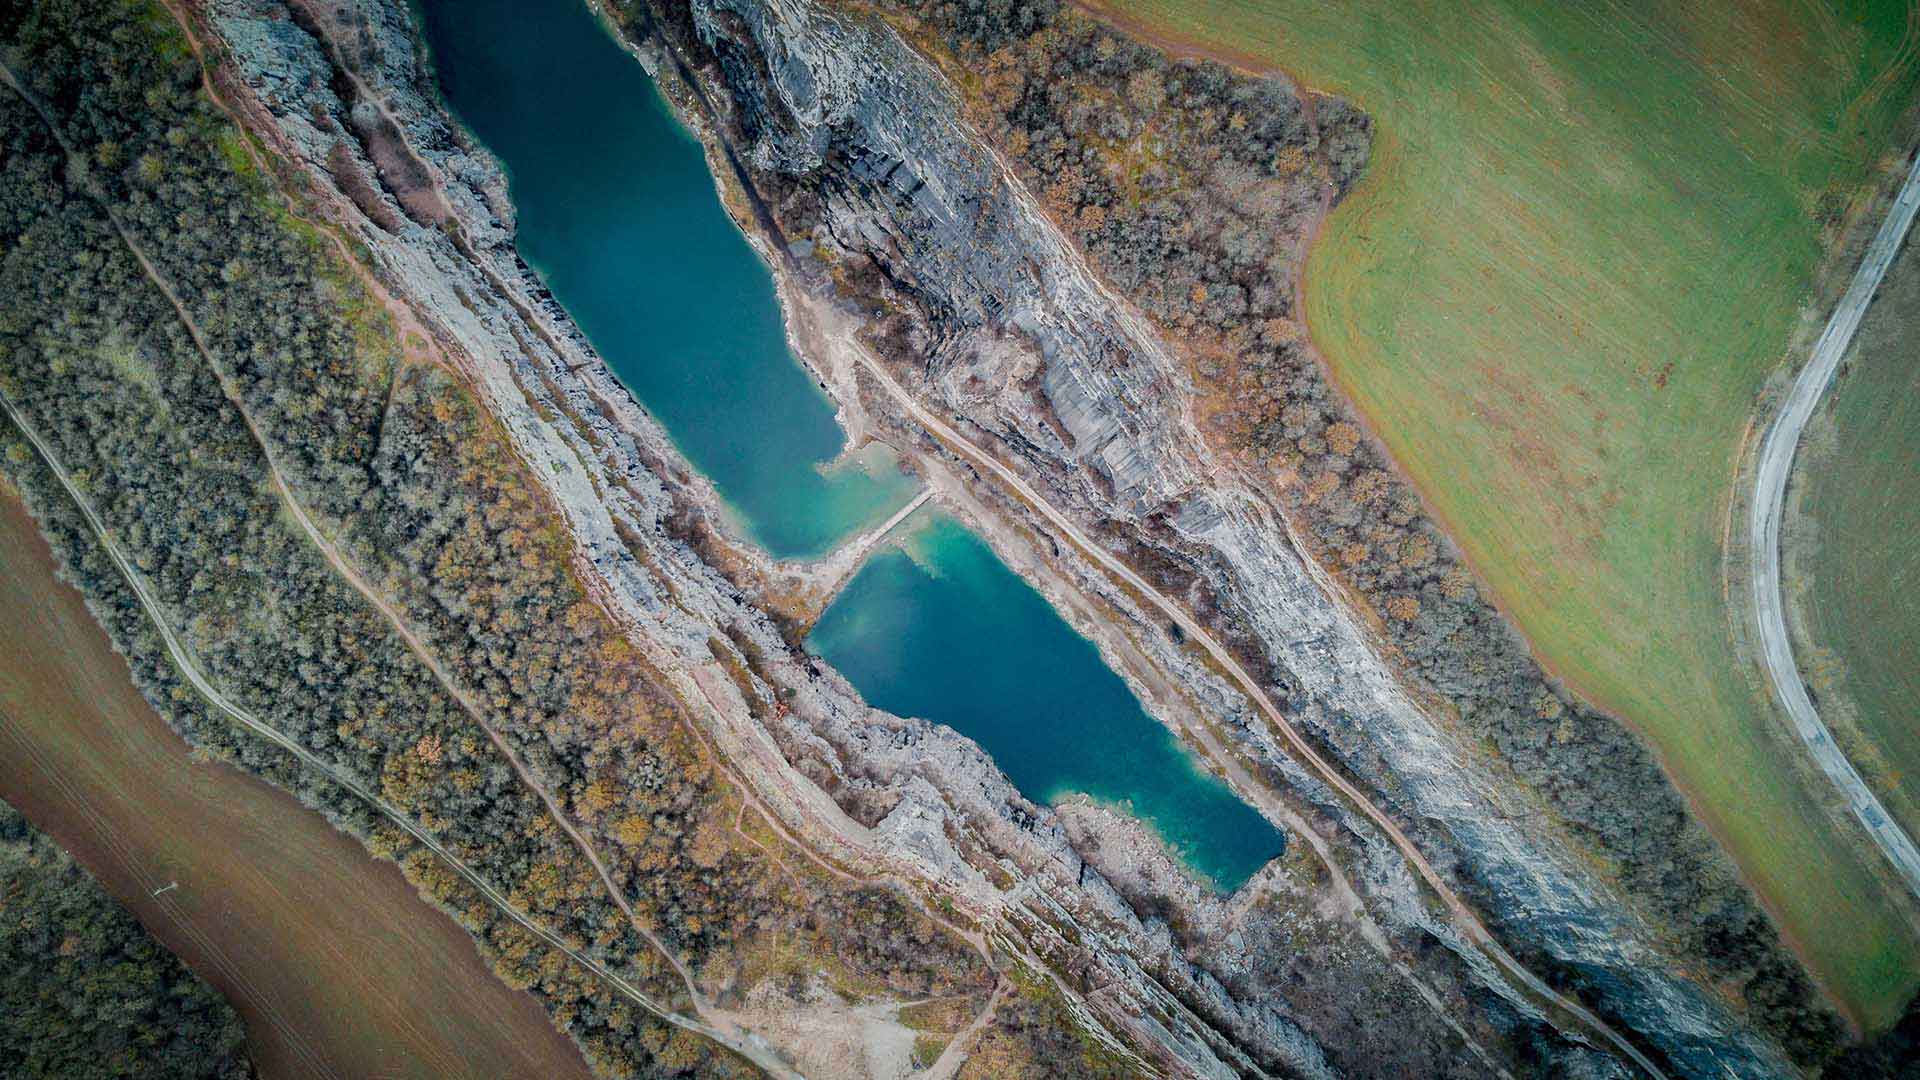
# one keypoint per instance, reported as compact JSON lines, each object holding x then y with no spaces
{"x":618,"y":214}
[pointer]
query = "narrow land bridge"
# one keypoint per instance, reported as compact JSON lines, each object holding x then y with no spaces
{"x":1575,"y":1015}
{"x":1770,"y":488}
{"x":819,"y":582}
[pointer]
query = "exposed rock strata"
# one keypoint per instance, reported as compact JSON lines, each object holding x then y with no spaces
{"x":995,"y":300}
{"x":936,"y":807}
{"x":812,"y":95}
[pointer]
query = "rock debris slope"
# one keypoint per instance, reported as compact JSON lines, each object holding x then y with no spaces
{"x":842,"y":109}
{"x":914,"y":800}
{"x":848,"y":138}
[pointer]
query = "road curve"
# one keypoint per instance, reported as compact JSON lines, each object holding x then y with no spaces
{"x":1463,"y":916}
{"x":1769,"y":497}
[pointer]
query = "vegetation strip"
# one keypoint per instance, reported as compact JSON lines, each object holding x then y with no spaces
{"x":1461,"y":914}
{"x":345,"y":569}
{"x":363,"y":967}
{"x":1573,"y":262}
{"x":87,"y":991}
{"x":187,"y":667}
{"x":730,"y":1039}
{"x":1770,"y":489}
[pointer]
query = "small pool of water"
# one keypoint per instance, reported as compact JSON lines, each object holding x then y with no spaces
{"x":940,"y":628}
{"x":619,"y":215}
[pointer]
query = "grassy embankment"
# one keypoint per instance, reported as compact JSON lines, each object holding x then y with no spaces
{"x":1580,"y":248}
{"x":1853,"y":573}
{"x":336,"y":965}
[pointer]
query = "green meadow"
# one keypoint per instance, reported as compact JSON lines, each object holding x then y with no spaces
{"x":1585,"y":237}
{"x":1856,"y":570}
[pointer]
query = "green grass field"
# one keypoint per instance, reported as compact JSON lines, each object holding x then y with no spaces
{"x":1580,"y":248}
{"x":1861,"y":491}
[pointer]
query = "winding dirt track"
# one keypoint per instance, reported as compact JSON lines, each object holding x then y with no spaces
{"x":1769,"y":497}
{"x":722,"y":1030}
{"x":184,"y":661}
{"x":1462,"y":915}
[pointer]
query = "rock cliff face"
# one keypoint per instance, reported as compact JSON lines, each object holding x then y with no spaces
{"x":351,"y":99}
{"x":856,"y":145}
{"x":840,"y":108}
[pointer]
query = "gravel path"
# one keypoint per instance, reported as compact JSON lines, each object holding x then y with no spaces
{"x":1770,"y":488}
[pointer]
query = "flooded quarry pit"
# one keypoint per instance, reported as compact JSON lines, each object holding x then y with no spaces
{"x":618,"y":214}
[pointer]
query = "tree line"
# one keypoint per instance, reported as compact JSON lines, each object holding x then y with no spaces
{"x":404,"y":467}
{"x":1190,"y":188}
{"x":86,"y":993}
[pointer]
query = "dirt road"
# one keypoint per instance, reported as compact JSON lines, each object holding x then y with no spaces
{"x":1770,"y":488}
{"x":361,"y":978}
{"x":1463,"y":916}
{"x":746,"y":1046}
{"x":351,"y":575}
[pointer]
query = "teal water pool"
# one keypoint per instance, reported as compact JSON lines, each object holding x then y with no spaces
{"x":619,"y":215}
{"x":939,"y":628}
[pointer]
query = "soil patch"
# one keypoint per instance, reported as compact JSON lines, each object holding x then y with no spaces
{"x":336,"y":965}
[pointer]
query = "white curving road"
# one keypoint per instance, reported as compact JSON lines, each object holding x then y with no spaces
{"x":1770,"y":488}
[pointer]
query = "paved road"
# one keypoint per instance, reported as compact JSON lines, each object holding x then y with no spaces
{"x":1770,"y":488}
{"x":1463,"y":916}
{"x":744,"y":1044}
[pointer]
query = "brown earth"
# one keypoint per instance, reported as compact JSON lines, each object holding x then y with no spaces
{"x":336,"y":965}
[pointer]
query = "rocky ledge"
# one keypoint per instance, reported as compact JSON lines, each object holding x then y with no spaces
{"x":1324,"y":963}
{"x":852,"y":140}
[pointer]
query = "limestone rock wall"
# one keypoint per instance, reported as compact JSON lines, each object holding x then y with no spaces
{"x":841,"y":106}
{"x":844,"y":108}
{"x":953,"y":823}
